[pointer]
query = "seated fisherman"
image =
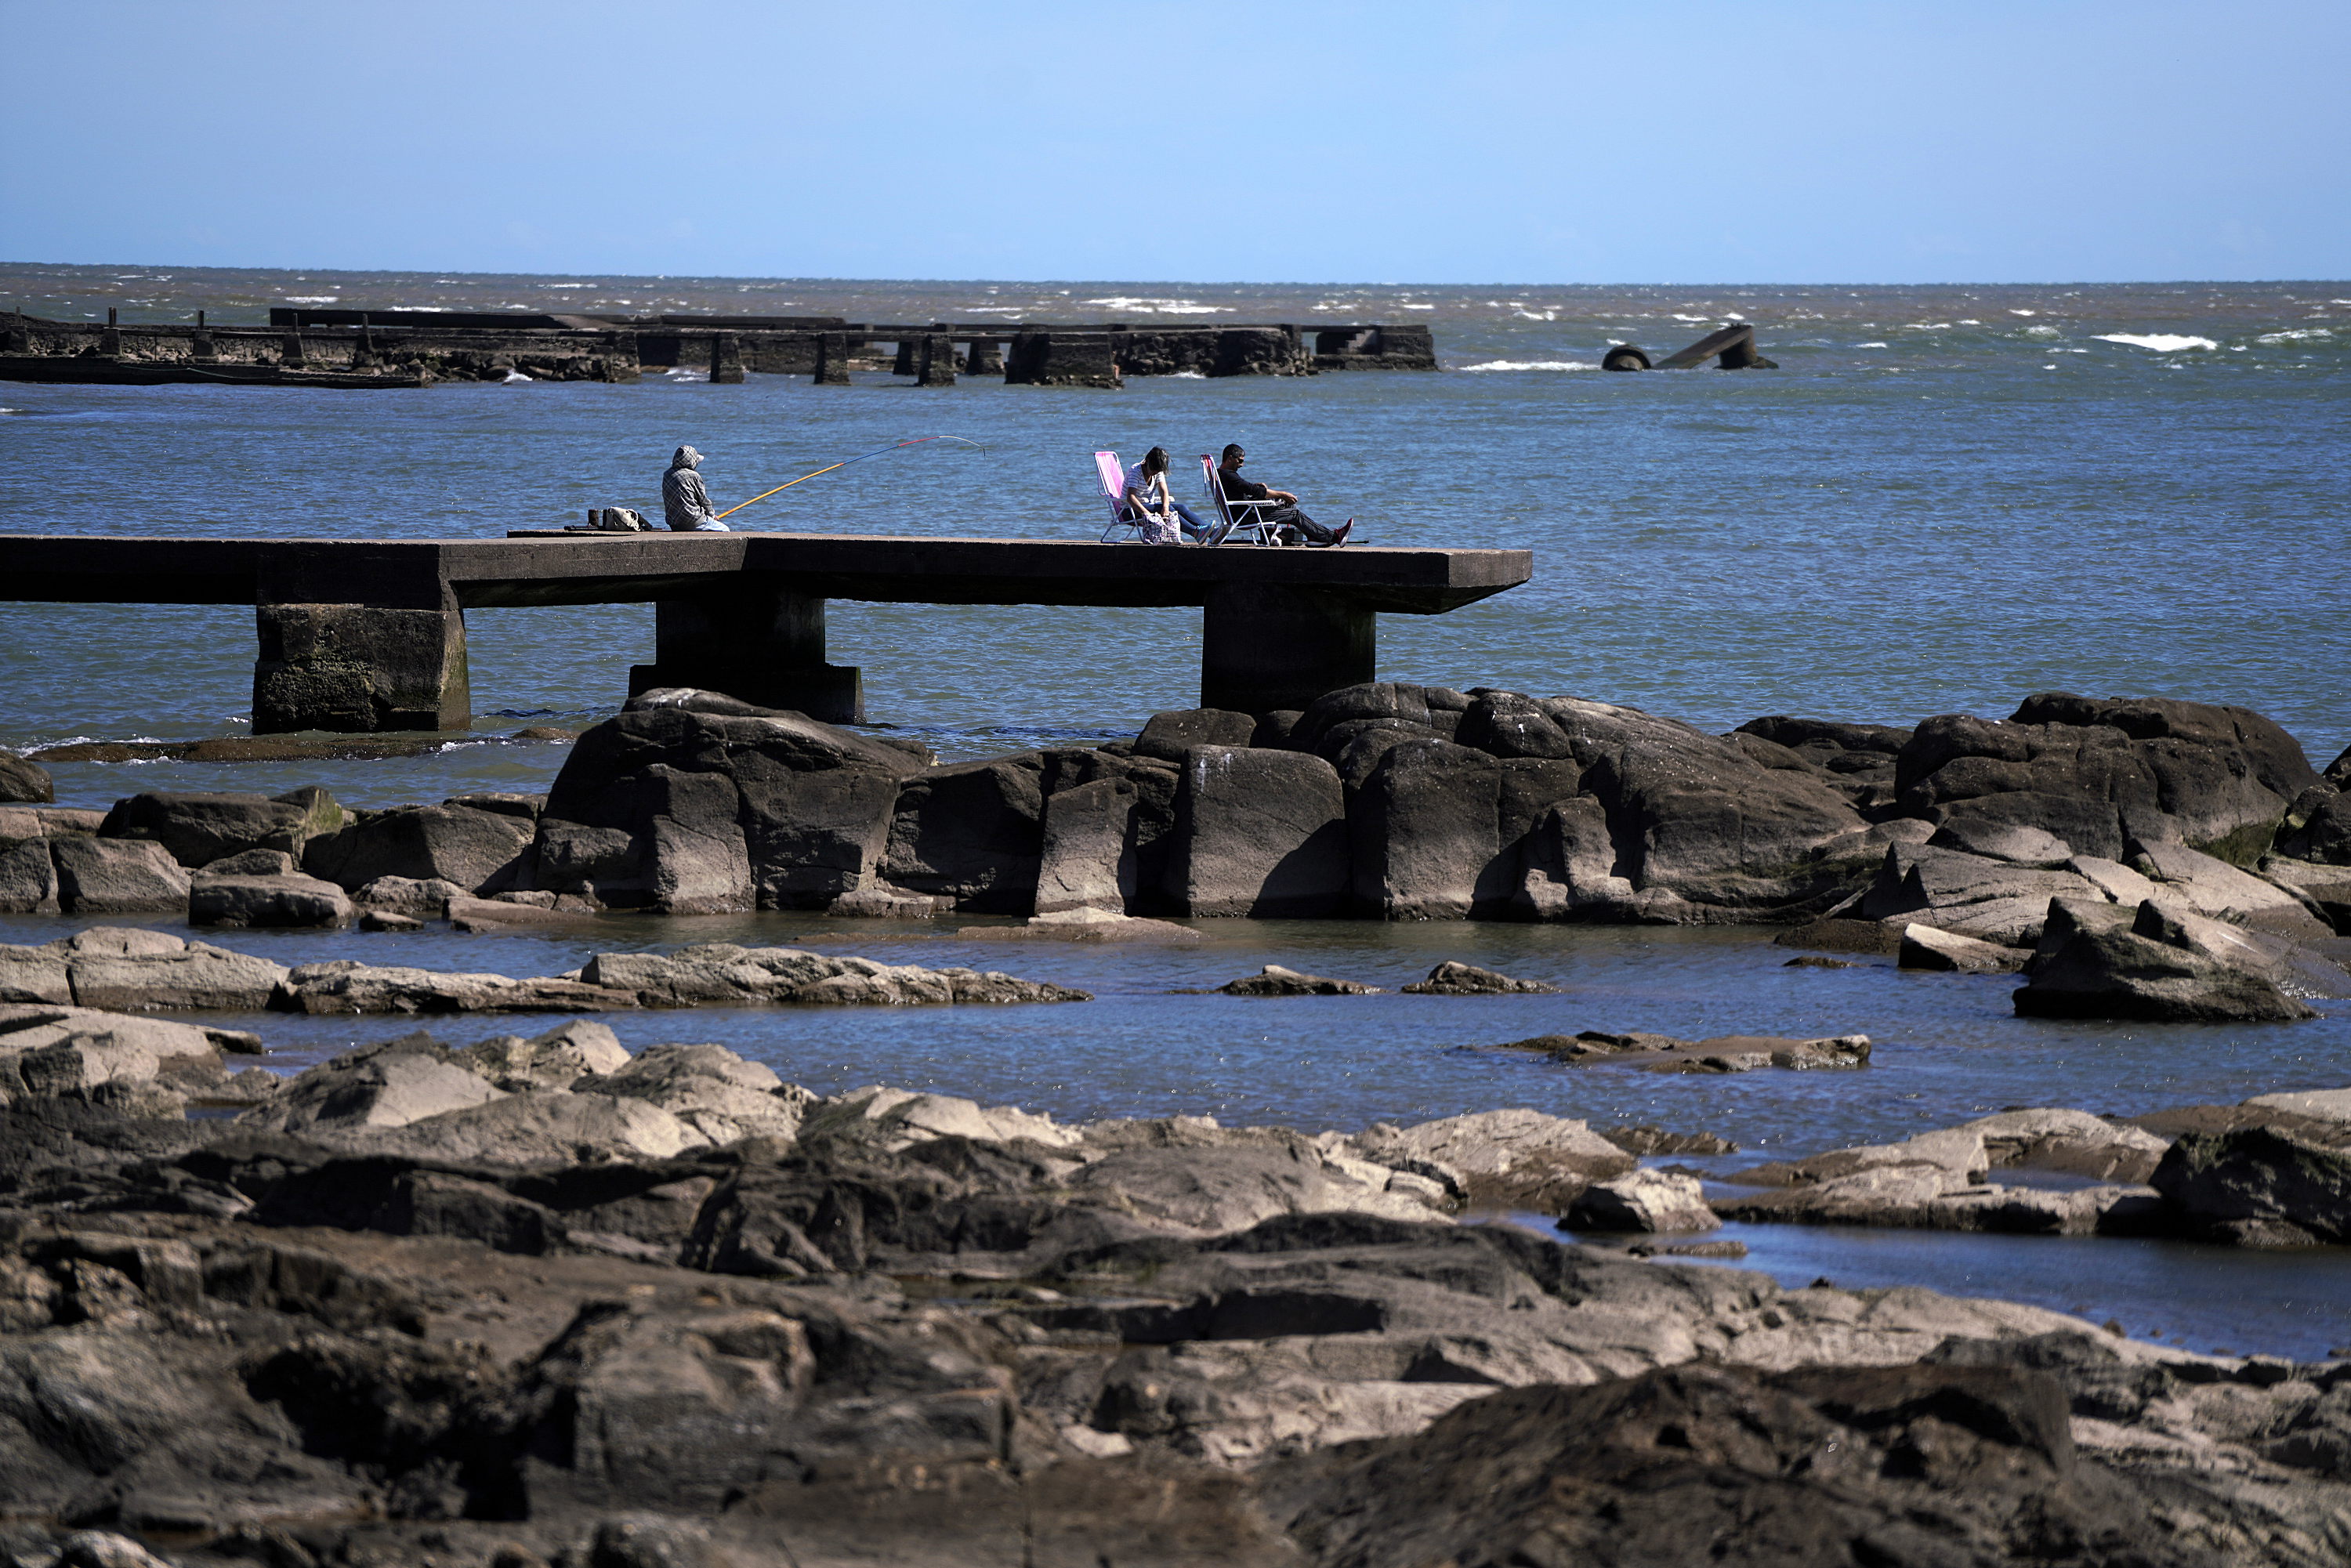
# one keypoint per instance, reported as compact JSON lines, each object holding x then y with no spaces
{"x":1235,"y":489}
{"x":1148,"y":496}
{"x":684,"y":503}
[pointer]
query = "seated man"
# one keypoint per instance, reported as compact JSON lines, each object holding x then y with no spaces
{"x":685,"y":505}
{"x":1235,"y":489}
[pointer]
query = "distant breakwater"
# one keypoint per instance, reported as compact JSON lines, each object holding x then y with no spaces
{"x":407,"y":347}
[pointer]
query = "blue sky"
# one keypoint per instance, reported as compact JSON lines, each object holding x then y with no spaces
{"x":1669,"y":142}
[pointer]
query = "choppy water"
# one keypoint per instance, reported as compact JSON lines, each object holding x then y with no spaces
{"x":1945,"y":499}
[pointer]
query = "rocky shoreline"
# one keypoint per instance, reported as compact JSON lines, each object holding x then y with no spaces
{"x":540,"y":1300}
{"x":2136,"y":859}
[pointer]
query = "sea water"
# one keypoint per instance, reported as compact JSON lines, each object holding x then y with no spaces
{"x":1945,"y":499}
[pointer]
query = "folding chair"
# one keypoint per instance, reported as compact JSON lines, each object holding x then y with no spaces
{"x":1145,"y":529}
{"x":1246,"y":522}
{"x":1111,"y":475}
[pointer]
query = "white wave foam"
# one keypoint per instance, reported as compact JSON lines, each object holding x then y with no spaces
{"x":1681,"y":318}
{"x":2041,"y":332}
{"x":1144,"y":307}
{"x":11,"y":411}
{"x":1416,"y":307}
{"x":1533,"y":365}
{"x":2161,"y":342}
{"x":2295,"y":336}
{"x":312,"y":298}
{"x":2016,"y":312}
{"x":1188,"y":375}
{"x":1869,"y":345}
{"x":1539,"y":315}
{"x":513,"y":376}
{"x":1927,"y":327}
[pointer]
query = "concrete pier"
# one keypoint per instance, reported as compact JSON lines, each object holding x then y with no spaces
{"x":485,"y":345}
{"x":359,"y":635}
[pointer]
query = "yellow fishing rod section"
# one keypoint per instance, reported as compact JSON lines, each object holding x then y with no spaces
{"x":877,"y":452}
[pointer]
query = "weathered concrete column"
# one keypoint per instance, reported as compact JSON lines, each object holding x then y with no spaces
{"x":986,"y":358}
{"x":355,"y":669}
{"x":832,"y":359}
{"x":755,"y":641}
{"x":1062,"y":360}
{"x":726,"y":358}
{"x":291,"y":353}
{"x":1264,"y":647}
{"x":937,"y":366}
{"x":200,"y":347}
{"x":909,"y":357}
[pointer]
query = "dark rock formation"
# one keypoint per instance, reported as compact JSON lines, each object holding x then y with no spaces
{"x":2102,"y":774}
{"x":1454,"y":978}
{"x":464,"y":845}
{"x":2157,"y":964}
{"x":2258,"y":1187}
{"x":200,"y":829}
{"x":21,"y":779}
{"x":111,"y":876}
{"x":1257,"y":833}
{"x":1274,"y":980}
{"x":693,"y":801}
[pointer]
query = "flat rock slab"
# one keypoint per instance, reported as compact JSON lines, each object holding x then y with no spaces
{"x":1722,"y":1053}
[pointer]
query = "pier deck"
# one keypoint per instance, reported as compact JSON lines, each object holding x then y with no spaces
{"x":360,"y":634}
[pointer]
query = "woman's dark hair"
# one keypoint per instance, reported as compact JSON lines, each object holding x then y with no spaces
{"x":1155,"y":460}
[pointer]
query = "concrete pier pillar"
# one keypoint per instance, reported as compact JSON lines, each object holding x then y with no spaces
{"x":351,"y":668}
{"x":753,"y":640}
{"x":291,"y":353}
{"x":986,"y":358}
{"x":1264,"y":647}
{"x":201,"y":346}
{"x":20,"y":337}
{"x":937,"y":366}
{"x":1062,"y":360}
{"x":910,"y":352}
{"x":832,"y":359}
{"x":110,"y":343}
{"x":726,"y":358}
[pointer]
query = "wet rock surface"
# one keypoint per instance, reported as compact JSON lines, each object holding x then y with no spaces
{"x":365,"y":1326}
{"x":114,"y":966}
{"x":1722,"y":1053}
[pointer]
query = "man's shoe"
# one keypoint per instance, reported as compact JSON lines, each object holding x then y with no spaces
{"x":1217,"y":535}
{"x":1345,"y":529}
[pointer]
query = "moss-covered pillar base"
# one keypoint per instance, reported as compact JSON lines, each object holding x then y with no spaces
{"x":358,"y":670}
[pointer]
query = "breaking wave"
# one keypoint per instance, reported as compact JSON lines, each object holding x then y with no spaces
{"x":312,"y":298}
{"x":1533,"y":365}
{"x":1160,"y":307}
{"x":2161,"y":342}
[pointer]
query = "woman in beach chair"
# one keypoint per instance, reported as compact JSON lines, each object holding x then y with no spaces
{"x":1146,"y":492}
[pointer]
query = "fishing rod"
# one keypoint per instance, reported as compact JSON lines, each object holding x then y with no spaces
{"x":893,"y":446}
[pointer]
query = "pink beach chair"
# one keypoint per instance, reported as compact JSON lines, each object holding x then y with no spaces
{"x":1141,"y":528}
